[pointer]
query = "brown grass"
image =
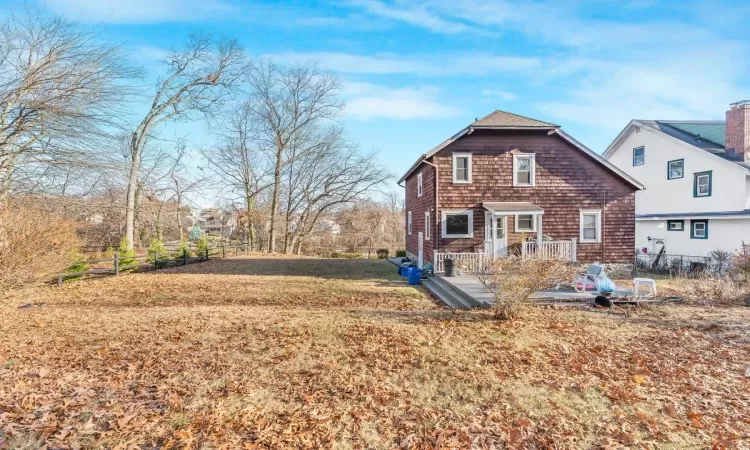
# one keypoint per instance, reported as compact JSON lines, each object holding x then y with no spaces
{"x":306,"y":353}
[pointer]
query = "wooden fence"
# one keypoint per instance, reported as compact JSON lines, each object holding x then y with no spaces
{"x":149,"y":261}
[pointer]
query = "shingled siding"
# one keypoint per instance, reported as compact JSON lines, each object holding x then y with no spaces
{"x":566,"y":181}
{"x":418,"y":206}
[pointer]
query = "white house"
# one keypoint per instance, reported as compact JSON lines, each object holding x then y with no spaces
{"x":697,"y":179}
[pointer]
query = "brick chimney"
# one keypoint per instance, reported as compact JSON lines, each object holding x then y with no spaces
{"x":738,"y":131}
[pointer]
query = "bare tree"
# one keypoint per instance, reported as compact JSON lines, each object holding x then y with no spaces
{"x":240,"y":166}
{"x":61,"y":95}
{"x":182,"y":184}
{"x":287,"y":103}
{"x":338,"y":174}
{"x":200,"y":78}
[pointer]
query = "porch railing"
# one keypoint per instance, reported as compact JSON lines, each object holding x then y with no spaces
{"x":471,"y":262}
{"x":562,"y":250}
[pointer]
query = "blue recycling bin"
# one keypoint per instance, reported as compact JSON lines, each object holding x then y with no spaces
{"x":415,"y":275}
{"x":405,"y":271}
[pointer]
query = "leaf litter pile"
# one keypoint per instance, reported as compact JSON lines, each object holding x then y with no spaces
{"x":307,"y":353}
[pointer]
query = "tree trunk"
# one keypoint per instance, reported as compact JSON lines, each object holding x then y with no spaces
{"x":250,"y":233}
{"x":135,"y":167}
{"x":275,"y":199}
{"x":179,"y":216}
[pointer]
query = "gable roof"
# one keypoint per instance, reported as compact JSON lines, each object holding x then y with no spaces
{"x":509,"y":120}
{"x":707,"y":135}
{"x":501,"y":120}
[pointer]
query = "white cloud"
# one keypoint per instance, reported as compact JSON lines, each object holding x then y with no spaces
{"x":429,"y":66}
{"x":502,"y":95}
{"x":411,"y":13}
{"x":366,"y":101}
{"x":140,"y":11}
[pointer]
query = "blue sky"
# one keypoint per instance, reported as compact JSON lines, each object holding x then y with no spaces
{"x":417,"y":71}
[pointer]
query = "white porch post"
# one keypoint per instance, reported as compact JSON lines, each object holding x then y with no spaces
{"x":539,"y":234}
{"x":494,"y":234}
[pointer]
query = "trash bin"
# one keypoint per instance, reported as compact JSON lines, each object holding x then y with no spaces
{"x":405,"y":271}
{"x":448,"y":267}
{"x":415,"y":275}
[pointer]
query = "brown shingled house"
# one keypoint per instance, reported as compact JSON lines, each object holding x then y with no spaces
{"x":508,"y":182}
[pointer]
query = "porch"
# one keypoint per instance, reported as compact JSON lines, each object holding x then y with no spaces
{"x":527,"y":219}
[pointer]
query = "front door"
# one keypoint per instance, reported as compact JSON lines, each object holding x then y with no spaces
{"x":494,"y":242}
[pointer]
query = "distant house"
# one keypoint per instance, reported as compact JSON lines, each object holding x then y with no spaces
{"x":506,"y":179}
{"x":215,"y":222}
{"x":697,"y":179}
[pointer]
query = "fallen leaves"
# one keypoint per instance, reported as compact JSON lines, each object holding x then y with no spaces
{"x":349,"y":356}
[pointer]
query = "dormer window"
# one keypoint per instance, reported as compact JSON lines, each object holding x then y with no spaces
{"x":462,"y":168}
{"x":524,"y":170}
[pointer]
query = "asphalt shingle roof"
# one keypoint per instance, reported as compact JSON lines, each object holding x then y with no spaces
{"x":705,"y":134}
{"x":506,"y":119}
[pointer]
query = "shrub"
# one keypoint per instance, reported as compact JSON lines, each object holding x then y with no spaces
{"x":707,"y":290}
{"x":156,"y":250}
{"x":400,"y":253}
{"x":512,"y":280}
{"x":80,"y":265}
{"x":202,"y":246}
{"x":126,"y":256}
{"x":382,"y":253}
{"x":182,"y":249}
{"x":35,"y":245}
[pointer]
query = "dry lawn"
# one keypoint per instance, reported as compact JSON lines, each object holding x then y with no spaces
{"x":304,"y":353}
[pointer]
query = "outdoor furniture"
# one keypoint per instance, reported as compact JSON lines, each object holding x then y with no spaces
{"x":644,"y":282}
{"x":594,"y":280}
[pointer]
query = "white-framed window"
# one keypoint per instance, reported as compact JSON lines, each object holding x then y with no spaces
{"x":419,"y":185}
{"x":408,"y":222}
{"x":458,"y":224}
{"x":525,"y":223}
{"x":427,"y":226}
{"x":639,"y":156}
{"x":462,"y":167}
{"x":591,"y":225}
{"x":524,"y":169}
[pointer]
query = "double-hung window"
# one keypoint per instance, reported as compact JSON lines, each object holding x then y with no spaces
{"x":420,"y":190}
{"x":458,"y":224}
{"x":525,"y":223}
{"x":408,"y":222}
{"x":639,"y":156}
{"x":427,"y":225}
{"x":524,"y":169}
{"x":675,"y":169}
{"x":591,"y":225}
{"x":462,"y":167}
{"x":702,"y":184}
{"x":699,"y":229}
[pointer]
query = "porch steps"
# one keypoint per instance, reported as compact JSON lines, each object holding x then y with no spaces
{"x":451,"y":296}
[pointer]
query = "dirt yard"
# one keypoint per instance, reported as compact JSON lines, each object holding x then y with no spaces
{"x":307,"y":353}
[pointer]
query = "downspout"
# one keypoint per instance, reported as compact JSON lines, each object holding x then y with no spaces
{"x":437,"y":228}
{"x":604,"y":222}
